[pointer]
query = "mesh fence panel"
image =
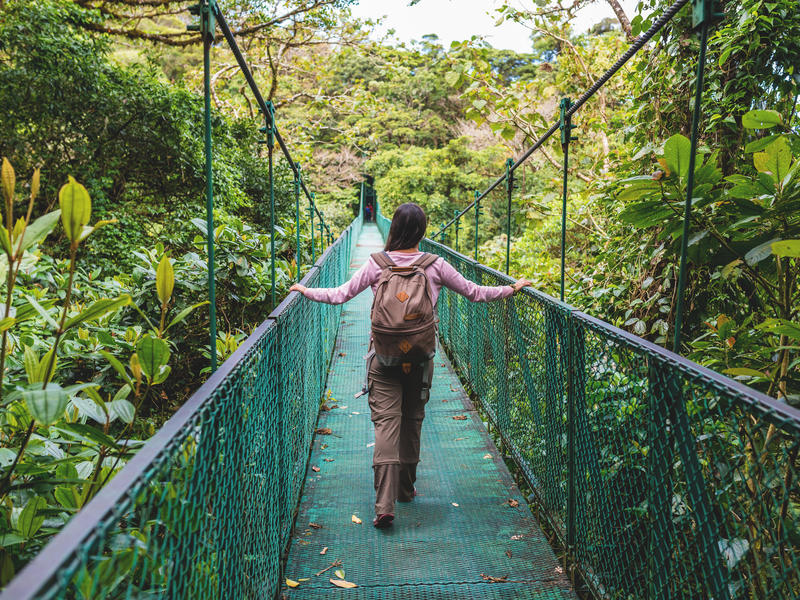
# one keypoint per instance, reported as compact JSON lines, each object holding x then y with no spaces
{"x":206,"y":507}
{"x":662,"y":478}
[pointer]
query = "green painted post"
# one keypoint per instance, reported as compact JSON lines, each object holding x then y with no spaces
{"x":270,"y":144}
{"x":576,"y":395}
{"x":702,"y":15}
{"x":477,"y":218}
{"x":510,"y":189}
{"x":566,"y":127}
{"x":297,"y":184}
{"x":458,"y":225}
{"x":311,"y":217}
{"x":206,"y":11}
{"x":361,"y":202}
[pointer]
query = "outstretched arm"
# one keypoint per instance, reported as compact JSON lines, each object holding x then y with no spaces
{"x":455,"y":281}
{"x":360,"y":280}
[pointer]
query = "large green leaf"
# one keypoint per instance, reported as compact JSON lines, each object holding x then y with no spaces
{"x":40,"y":229}
{"x":98,"y":309}
{"x":760,"y":252}
{"x":118,"y":366}
{"x":775,"y":159}
{"x":646,"y":214}
{"x":153,"y":352}
{"x":123,"y":410}
{"x":185,"y":313}
{"x":88,"y":407}
{"x":790,"y":248}
{"x":30,"y":520}
{"x":165,"y":279}
{"x":76,"y":208}
{"x":48,"y":405}
{"x":761,"y":119}
{"x":88,"y":434}
{"x":677,"y":151}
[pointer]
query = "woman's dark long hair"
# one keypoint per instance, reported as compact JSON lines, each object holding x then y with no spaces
{"x":408,"y":227}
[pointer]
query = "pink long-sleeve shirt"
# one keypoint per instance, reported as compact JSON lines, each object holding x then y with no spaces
{"x":440,"y":273}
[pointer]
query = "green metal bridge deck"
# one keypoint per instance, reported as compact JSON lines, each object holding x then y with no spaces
{"x":462,"y":528}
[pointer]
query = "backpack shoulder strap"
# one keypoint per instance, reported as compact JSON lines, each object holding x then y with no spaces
{"x":426,"y":260}
{"x":383,"y":260}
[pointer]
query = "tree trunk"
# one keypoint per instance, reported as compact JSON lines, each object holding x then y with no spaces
{"x":621,"y":17}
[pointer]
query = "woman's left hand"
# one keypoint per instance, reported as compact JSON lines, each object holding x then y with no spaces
{"x":520,"y":283}
{"x":298,"y":288}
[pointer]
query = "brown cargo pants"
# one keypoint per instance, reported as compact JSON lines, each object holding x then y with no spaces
{"x":397,"y":398}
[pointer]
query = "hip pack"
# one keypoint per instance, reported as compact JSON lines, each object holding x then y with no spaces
{"x":403,"y":321}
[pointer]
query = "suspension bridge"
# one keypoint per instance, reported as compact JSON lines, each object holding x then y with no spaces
{"x":653,"y":477}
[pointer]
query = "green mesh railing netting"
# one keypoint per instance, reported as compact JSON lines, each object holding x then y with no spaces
{"x":206,"y":507}
{"x":661,"y":478}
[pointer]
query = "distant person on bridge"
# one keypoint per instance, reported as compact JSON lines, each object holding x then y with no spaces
{"x":406,"y":284}
{"x":368,"y":212}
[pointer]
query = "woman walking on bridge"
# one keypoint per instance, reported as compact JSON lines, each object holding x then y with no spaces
{"x":406,"y":284}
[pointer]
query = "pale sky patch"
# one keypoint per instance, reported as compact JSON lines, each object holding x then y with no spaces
{"x":457,"y":20}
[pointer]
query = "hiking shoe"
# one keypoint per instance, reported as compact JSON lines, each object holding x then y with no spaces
{"x":383,"y":521}
{"x":408,"y":498}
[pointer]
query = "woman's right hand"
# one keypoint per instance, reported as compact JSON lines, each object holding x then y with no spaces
{"x":521,"y":283}
{"x":298,"y":288}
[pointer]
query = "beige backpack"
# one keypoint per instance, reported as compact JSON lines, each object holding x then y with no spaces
{"x":403,"y":320}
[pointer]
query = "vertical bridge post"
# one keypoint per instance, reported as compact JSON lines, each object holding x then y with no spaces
{"x":566,"y":128}
{"x":297,"y":185}
{"x":205,"y":10}
{"x":509,"y":190}
{"x":477,"y":219}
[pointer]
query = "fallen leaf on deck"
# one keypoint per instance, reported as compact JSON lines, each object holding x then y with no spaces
{"x":315,"y":525}
{"x":513,"y":503}
{"x":324,"y":550}
{"x":303,"y":579}
{"x":292,"y":583}
{"x":370,"y":445}
{"x":315,"y":469}
{"x":323,"y":431}
{"x":452,"y":389}
{"x":494,"y":579}
{"x":454,"y":503}
{"x":487,"y":456}
{"x":508,"y":553}
{"x":342,"y":354}
{"x":517,"y":537}
{"x":342,"y":583}
{"x":459,"y":439}
{"x":323,"y":446}
{"x":339,"y":573}
{"x":355,"y":520}
{"x":559,"y":570}
{"x":334,"y":406}
{"x":342,"y":407}
{"x":324,"y":407}
{"x":460,"y":418}
{"x":356,"y":413}
{"x":329,"y":459}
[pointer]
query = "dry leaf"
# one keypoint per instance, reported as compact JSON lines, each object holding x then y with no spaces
{"x":460,"y":418}
{"x":517,"y":537}
{"x":508,"y":553}
{"x":494,"y":579}
{"x":454,"y":503}
{"x":303,"y":579}
{"x":342,"y":583}
{"x":339,"y":573}
{"x":370,"y":445}
{"x":513,"y":503}
{"x":315,"y":469}
{"x":342,"y":354}
{"x":328,"y":459}
{"x":355,"y":520}
{"x":559,"y":570}
{"x":325,"y":407}
{"x":292,"y":583}
{"x":324,"y":550}
{"x":323,"y":446}
{"x":315,"y":525}
{"x":323,"y":431}
{"x":334,"y":406}
{"x":487,"y":456}
{"x":459,"y":439}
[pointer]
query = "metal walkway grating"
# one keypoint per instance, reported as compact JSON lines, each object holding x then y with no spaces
{"x":459,"y":529}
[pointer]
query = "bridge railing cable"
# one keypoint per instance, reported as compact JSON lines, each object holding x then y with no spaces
{"x":660,"y":478}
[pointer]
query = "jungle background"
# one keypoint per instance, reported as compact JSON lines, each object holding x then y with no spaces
{"x":101,"y":119}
